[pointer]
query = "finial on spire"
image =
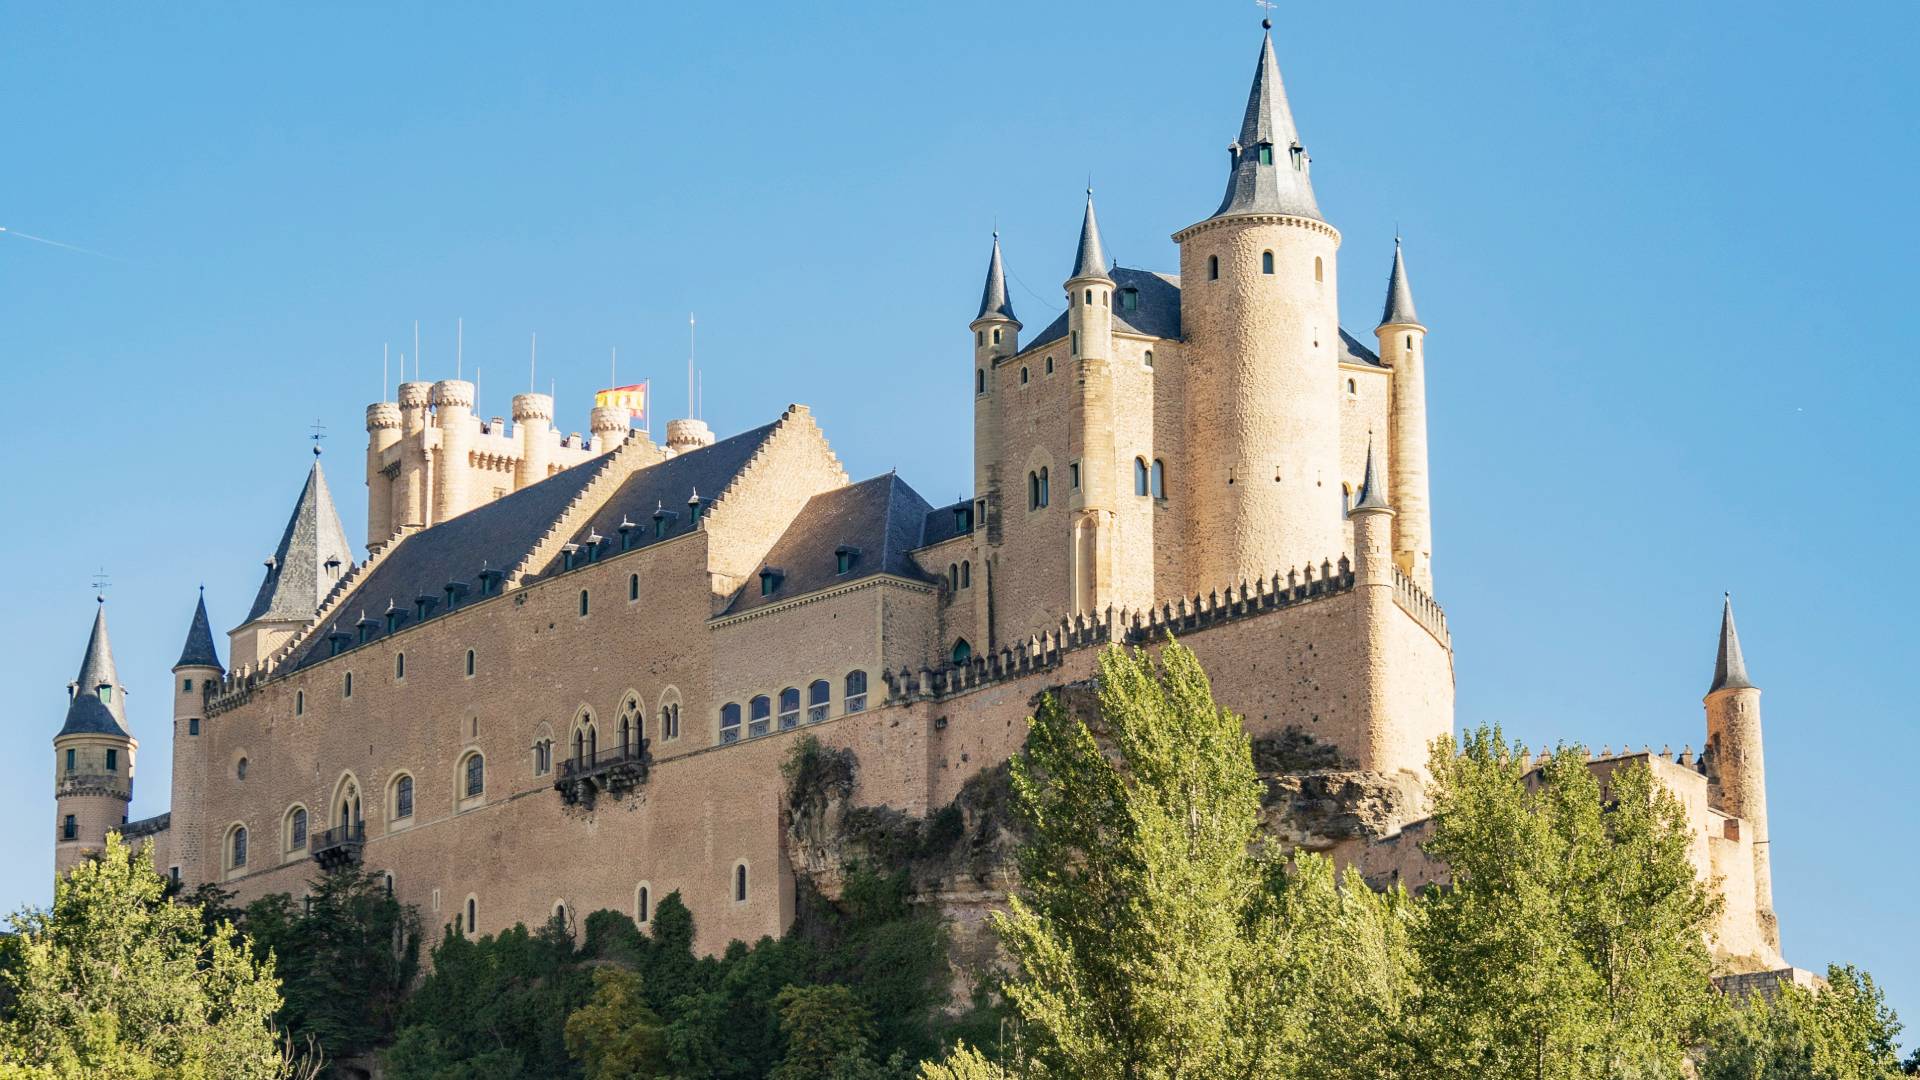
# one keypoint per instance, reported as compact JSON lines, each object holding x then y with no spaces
{"x":994,"y":302}
{"x":1398,"y":310}
{"x":319,"y":432}
{"x":1091,"y":260}
{"x":1270,"y":165}
{"x":1729,"y":666}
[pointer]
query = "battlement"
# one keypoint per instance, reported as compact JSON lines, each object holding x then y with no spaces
{"x":1686,"y":759}
{"x":1425,"y":609}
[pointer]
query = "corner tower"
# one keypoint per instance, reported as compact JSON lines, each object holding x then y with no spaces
{"x":1090,"y":442}
{"x":93,"y":755}
{"x":194,"y":675}
{"x":996,"y":336}
{"x":1736,"y":767}
{"x":1259,"y":306}
{"x":1403,"y":348}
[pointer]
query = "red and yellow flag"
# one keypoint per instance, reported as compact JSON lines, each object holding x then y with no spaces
{"x":631,"y":398}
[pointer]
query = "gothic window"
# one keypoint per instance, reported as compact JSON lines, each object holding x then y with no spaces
{"x":979,"y":338}
{"x":953,"y":577}
{"x":1043,"y":485}
{"x":966,"y":573}
{"x":629,"y":727}
{"x":730,"y":722}
{"x":583,"y":602}
{"x":237,"y":847}
{"x":1350,"y":388}
{"x":855,"y":699}
{"x":476,"y":780}
{"x":296,"y":829}
{"x":740,"y":883}
{"x":1089,"y":296}
{"x":1139,"y":476}
{"x":1023,"y":374}
{"x":1213,"y":268}
{"x":403,"y":797}
{"x":818,"y":692}
{"x":240,"y":769}
{"x":962,"y":653}
{"x":643,"y":905}
{"x":470,"y":663}
{"x":346,"y":685}
{"x":1049,"y":365}
{"x":759,"y":716}
{"x":633,"y":587}
{"x":1159,"y":479}
{"x":473,"y":914}
{"x":1033,"y":491}
{"x":996,"y":336}
{"x":789,"y":708}
{"x":1266,"y":262}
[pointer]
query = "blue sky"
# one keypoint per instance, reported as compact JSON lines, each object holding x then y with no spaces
{"x":1662,"y":249}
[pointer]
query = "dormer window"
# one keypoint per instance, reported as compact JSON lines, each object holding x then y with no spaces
{"x":694,"y":509}
{"x":569,"y":555}
{"x":333,"y":567}
{"x":490,"y":582}
{"x":394,"y":618}
{"x":626,"y":533}
{"x":338,"y":642}
{"x":456,"y":591}
{"x":1299,"y":155}
{"x":962,"y":519}
{"x":770,"y":580}
{"x":423,"y":606}
{"x":364,"y":629}
{"x":1129,"y":299}
{"x":1266,"y":153}
{"x":844,"y":558}
{"x":592,"y":544}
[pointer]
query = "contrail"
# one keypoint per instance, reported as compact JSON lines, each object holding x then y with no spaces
{"x":58,"y":244}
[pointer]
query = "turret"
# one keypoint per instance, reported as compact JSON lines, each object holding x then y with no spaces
{"x":1403,"y":348}
{"x":197,"y":670}
{"x":996,"y":336}
{"x":383,"y":431}
{"x":610,"y":426}
{"x":533,"y":427}
{"x":93,"y":755}
{"x":312,"y":556}
{"x":1736,"y":766}
{"x":1090,"y":425}
{"x":688,"y":434}
{"x":413,"y":502}
{"x":1258,"y":307}
{"x":453,"y":466}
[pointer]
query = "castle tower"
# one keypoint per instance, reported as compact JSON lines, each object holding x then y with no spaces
{"x":1090,"y":420}
{"x":383,"y":431}
{"x":1403,"y":348}
{"x":996,"y":336}
{"x":313,"y":555}
{"x":688,"y":434}
{"x":453,"y":468}
{"x":1736,"y":767}
{"x":413,"y":494}
{"x":1373,"y":521}
{"x":533,"y":427}
{"x":610,"y":426}
{"x":197,"y":670}
{"x":93,"y":755}
{"x":1259,"y":308}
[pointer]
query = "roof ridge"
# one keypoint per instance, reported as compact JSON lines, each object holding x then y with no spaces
{"x":613,"y":471}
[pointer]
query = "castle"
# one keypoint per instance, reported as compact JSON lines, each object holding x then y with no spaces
{"x":567,"y":671}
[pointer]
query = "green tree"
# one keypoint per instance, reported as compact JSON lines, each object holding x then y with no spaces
{"x":346,"y":955}
{"x":1571,"y":941}
{"x":116,"y":982}
{"x":1844,"y":1031}
{"x":615,"y":1036}
{"x":829,"y":1036}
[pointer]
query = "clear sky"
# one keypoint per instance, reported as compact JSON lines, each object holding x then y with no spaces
{"x":1662,"y":249}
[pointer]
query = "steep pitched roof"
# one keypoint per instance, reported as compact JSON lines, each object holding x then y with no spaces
{"x":1729,"y":666}
{"x":943,"y":522}
{"x":1157,"y":313}
{"x":1090,"y":261}
{"x":1371,"y":495}
{"x":298,"y":579}
{"x":199,"y":651}
{"x":1399,"y":306}
{"x":882,"y":518}
{"x":1280,"y":184}
{"x":993,"y":298}
{"x":86,"y":712}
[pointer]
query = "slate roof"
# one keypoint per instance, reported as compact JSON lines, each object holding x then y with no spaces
{"x":1275,"y":187}
{"x":993,"y":297}
{"x":1157,"y":316}
{"x":1090,"y":261}
{"x":1399,"y":305}
{"x":1353,"y":352}
{"x":199,"y":651}
{"x":941,"y":526}
{"x":297,"y":580}
{"x":86,"y":713}
{"x":1729,"y":667}
{"x":1371,"y":497}
{"x":882,"y":517}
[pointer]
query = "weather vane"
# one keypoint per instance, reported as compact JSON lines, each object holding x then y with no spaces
{"x":1266,"y":9}
{"x":101,"y":583}
{"x":319,"y":432}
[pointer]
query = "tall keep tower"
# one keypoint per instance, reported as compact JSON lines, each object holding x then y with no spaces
{"x":1403,"y":347}
{"x":1091,"y":419}
{"x":1736,"y":767}
{"x":93,"y":755}
{"x":1259,"y":307}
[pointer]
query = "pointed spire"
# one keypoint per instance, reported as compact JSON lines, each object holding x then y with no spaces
{"x":993,"y":299}
{"x":1270,"y":166}
{"x":98,"y":701}
{"x":1399,"y":307}
{"x":312,"y":556}
{"x":1371,"y":496}
{"x":1729,"y":667}
{"x":199,"y":651}
{"x":1091,"y":261}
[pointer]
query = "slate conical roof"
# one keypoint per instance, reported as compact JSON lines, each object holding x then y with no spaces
{"x":1372,"y":497}
{"x":1279,"y":184}
{"x":199,"y":651}
{"x":1729,"y":667}
{"x":1091,"y":260}
{"x":90,"y":711}
{"x":1399,"y":306}
{"x":993,"y":299}
{"x":298,"y":578}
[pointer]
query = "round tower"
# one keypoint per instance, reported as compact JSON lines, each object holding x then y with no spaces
{"x":533,"y":426}
{"x":688,"y":434}
{"x":1259,"y":308}
{"x":383,"y":431}
{"x":610,"y":425}
{"x":453,"y":468}
{"x":93,"y":755}
{"x":1403,"y":348}
{"x":996,"y":336}
{"x":413,"y":504}
{"x":1090,"y":428}
{"x":1736,"y":767}
{"x":194,"y":676}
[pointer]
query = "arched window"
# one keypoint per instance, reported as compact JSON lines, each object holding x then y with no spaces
{"x":1149,"y":358}
{"x":399,"y":666}
{"x":643,"y":904}
{"x":979,"y":338}
{"x":1049,"y":365}
{"x":629,"y":727}
{"x":1350,"y":388}
{"x":1213,"y":268}
{"x":346,"y":685}
{"x":996,"y":335}
{"x":473,"y":915}
{"x":1033,"y":491}
{"x":953,"y":577}
{"x":1043,"y":485}
{"x":299,"y":702}
{"x":1318,"y":272}
{"x":759,"y":716}
{"x":980,"y":380}
{"x":583,"y":602}
{"x":237,"y":848}
{"x":855,"y":699}
{"x":966,"y":573}
{"x":789,"y":708}
{"x":730,"y":722}
{"x":1409,"y":341}
{"x":818,"y":693}
{"x":740,"y":883}
{"x":1266,"y":262}
{"x":1139,"y":476}
{"x":633,"y":587}
{"x":1089,"y":296}
{"x":1073,"y":343}
{"x":1159,"y":485}
{"x":296,"y":828}
{"x":962,"y":653}
{"x":560,"y":912}
{"x":469,"y":663}
{"x":403,"y":797}
{"x":670,"y":713}
{"x":1023,"y":373}
{"x":240,"y":769}
{"x":475,"y":769}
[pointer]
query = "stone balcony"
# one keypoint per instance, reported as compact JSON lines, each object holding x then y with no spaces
{"x":581,"y":778}
{"x":339,"y":846}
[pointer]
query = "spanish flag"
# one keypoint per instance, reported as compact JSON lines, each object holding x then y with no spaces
{"x":631,"y":398}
